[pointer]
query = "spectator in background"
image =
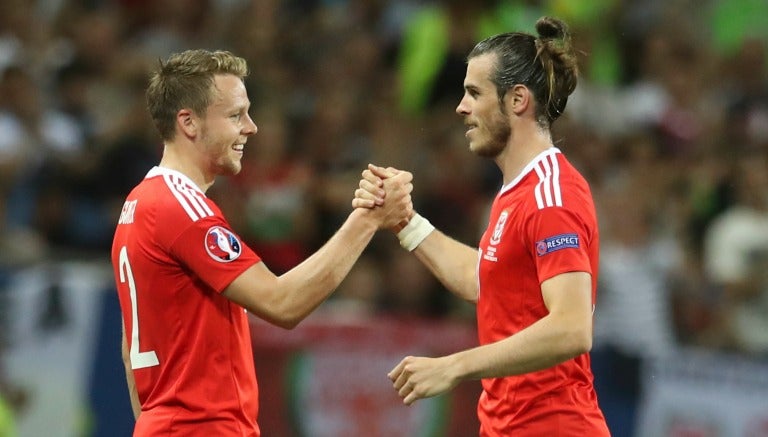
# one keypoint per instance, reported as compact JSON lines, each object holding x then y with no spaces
{"x":47,"y":148}
{"x":411,"y":291}
{"x":736,"y":257}
{"x":746,"y":89}
{"x":72,"y":84}
{"x":358,"y":296}
{"x":634,"y":317}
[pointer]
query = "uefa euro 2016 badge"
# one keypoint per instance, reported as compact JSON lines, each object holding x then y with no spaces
{"x":222,"y":244}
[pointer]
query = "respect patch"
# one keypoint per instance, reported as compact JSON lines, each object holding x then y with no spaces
{"x":557,"y":242}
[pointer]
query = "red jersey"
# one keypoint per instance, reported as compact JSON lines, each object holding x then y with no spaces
{"x":173,"y":254}
{"x":541,"y":224}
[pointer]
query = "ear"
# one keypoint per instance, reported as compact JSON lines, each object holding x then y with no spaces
{"x":187,"y":123}
{"x":518,"y":99}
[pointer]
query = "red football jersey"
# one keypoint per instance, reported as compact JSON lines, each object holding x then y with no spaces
{"x":173,"y":254}
{"x":541,"y":224}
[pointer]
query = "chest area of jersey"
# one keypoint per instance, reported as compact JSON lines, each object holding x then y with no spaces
{"x":504,"y":244}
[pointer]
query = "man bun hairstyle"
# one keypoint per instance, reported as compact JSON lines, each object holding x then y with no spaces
{"x":546,"y":64}
{"x":554,"y":49}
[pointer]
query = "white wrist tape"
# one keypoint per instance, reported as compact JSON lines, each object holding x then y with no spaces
{"x":414,"y":232}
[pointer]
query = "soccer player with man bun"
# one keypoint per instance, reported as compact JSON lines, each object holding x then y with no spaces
{"x":534,"y":275}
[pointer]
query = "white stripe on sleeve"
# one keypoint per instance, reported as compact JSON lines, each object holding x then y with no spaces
{"x":537,"y":190}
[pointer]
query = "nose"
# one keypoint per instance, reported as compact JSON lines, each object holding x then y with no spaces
{"x":250,"y":127}
{"x":463,"y":108}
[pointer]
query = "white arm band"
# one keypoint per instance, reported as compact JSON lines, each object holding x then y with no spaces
{"x":414,"y":232}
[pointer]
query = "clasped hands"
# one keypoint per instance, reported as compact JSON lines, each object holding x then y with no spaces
{"x":378,"y":184}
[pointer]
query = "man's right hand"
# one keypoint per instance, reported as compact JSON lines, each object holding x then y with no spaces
{"x":387,"y":193}
{"x":371,"y":191}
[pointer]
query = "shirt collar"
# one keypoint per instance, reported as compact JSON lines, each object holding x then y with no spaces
{"x":529,"y":167}
{"x":164,"y":171}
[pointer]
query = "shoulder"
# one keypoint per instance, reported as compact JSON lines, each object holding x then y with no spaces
{"x":556,"y":183}
{"x":185,"y":200}
{"x":173,"y":196}
{"x":168,"y":205}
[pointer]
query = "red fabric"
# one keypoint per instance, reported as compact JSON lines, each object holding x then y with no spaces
{"x":172,"y":247}
{"x":541,"y":224}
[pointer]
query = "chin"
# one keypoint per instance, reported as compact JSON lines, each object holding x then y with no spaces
{"x":231,"y":169}
{"x":487,"y":150}
{"x":477,"y":148}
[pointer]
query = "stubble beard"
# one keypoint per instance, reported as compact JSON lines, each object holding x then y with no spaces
{"x":230,"y":166}
{"x":499,"y":131}
{"x":227,"y":163}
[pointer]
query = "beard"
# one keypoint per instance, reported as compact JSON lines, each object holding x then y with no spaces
{"x":227,"y":165}
{"x":231,"y":168}
{"x":499,"y":131}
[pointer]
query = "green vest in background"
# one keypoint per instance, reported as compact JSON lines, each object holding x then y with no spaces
{"x":603,"y":61}
{"x":733,"y":21}
{"x":7,"y":422}
{"x":423,"y":49}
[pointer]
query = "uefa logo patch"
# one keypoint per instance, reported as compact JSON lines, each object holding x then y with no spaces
{"x":222,"y":245}
{"x":557,"y":242}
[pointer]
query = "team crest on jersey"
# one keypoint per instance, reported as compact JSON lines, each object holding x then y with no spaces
{"x":222,"y":245}
{"x":499,"y":229}
{"x":557,"y":242}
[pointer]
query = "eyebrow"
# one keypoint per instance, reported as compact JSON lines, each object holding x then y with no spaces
{"x":240,"y":107}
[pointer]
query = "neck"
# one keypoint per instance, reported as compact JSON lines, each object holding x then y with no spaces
{"x":186,"y":163}
{"x":525,"y":143}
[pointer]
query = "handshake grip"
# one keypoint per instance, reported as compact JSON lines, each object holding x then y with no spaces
{"x":410,"y":233}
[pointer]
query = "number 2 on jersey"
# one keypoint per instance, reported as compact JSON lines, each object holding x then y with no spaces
{"x":139,"y":360}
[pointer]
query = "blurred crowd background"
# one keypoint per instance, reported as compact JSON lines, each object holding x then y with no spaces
{"x":669,"y":124}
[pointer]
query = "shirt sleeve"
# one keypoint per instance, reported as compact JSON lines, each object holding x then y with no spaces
{"x":213,"y":252}
{"x":558,"y":240}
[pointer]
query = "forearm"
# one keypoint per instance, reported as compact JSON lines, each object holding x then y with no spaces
{"x":452,"y":262}
{"x":545,"y":343}
{"x":288,"y":299}
{"x":307,"y":285}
